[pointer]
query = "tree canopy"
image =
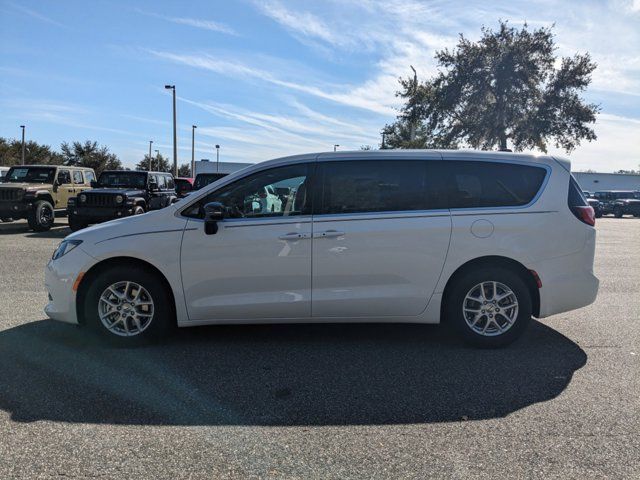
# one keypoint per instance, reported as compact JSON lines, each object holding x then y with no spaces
{"x":90,"y":154}
{"x":159,"y":163}
{"x":35,"y":153}
{"x":507,"y":90}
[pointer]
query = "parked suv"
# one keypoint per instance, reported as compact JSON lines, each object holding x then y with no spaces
{"x":37,"y":192}
{"x":619,"y":202}
{"x":121,"y":193}
{"x":482,"y":241}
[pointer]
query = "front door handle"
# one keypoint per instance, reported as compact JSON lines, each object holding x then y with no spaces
{"x":330,"y":234}
{"x":293,"y":236}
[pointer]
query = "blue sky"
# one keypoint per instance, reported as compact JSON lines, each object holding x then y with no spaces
{"x":266,"y":78}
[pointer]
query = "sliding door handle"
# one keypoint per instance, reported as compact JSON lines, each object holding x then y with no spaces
{"x":330,"y":234}
{"x":294,"y":236}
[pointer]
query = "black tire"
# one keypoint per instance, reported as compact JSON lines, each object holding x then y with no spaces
{"x":617,"y":212}
{"x":76,"y":224}
{"x":465,"y":284}
{"x":598,"y":214}
{"x":41,"y":217}
{"x":161,"y":322}
{"x":138,"y":210}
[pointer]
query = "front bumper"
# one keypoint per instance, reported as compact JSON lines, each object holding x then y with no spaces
{"x":59,"y":278}
{"x":15,"y":209}
{"x":100,"y":214}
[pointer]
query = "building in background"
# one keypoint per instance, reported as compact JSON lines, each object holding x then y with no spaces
{"x":207,"y":166}
{"x":593,"y":182}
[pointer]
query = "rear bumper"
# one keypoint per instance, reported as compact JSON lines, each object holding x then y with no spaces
{"x":568,"y":282}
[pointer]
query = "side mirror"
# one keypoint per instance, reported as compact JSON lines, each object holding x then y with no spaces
{"x":153,"y":186}
{"x":94,"y":184}
{"x":213,"y":213}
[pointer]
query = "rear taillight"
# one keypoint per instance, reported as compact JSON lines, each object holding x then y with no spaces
{"x":585,"y":215}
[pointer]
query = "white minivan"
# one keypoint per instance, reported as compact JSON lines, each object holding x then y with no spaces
{"x":481,"y":240}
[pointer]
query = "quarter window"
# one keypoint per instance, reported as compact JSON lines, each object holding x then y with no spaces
{"x":277,"y":192}
{"x":492,"y":184}
{"x":77,"y":177}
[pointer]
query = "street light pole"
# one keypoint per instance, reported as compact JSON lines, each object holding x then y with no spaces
{"x":175,"y":132}
{"x":150,"y":143}
{"x":22,"y":154}
{"x":217,"y":158}
{"x":335,"y":147}
{"x":193,"y":151}
{"x":158,"y":156}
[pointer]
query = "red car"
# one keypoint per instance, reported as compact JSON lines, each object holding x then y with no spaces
{"x":184,"y":185}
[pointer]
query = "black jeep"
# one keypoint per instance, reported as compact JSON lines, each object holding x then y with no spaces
{"x":619,"y":202}
{"x":121,"y":193}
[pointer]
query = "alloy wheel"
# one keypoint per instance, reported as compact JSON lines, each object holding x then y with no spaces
{"x":126,"y":308}
{"x":490,"y":308}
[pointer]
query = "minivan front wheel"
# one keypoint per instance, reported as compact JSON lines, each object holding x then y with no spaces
{"x":127,"y":305}
{"x":489,"y":307}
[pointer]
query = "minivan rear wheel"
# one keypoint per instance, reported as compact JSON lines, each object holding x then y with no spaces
{"x":128,"y":305}
{"x":489,"y":307}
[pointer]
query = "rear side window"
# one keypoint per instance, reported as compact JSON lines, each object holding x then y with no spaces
{"x":170,"y":184}
{"x":77,"y":177}
{"x":379,"y":186}
{"x":162,"y":182}
{"x":89,"y":176}
{"x":493,"y":184}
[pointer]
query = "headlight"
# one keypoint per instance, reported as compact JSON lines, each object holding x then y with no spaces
{"x":65,"y":247}
{"x":83,"y":198}
{"x":119,"y":199}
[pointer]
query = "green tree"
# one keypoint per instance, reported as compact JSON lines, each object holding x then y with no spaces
{"x":184,"y":170}
{"x":503,"y":90}
{"x":90,"y":154}
{"x":159,"y":163}
{"x":35,"y":153}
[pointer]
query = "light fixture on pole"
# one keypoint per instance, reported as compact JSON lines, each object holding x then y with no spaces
{"x":217,"y":158}
{"x":22,"y":150}
{"x":335,"y":147}
{"x":175,"y":132}
{"x":193,"y":151}
{"x":150,"y":143}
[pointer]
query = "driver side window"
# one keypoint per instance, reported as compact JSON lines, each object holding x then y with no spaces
{"x":277,"y":192}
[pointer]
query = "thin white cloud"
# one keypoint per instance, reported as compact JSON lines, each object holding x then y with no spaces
{"x":35,"y":14}
{"x":193,"y":22}
{"x":360,"y":97}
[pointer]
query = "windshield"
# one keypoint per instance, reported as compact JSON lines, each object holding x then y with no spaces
{"x":123,"y":179}
{"x":204,"y":179}
{"x":31,"y":174}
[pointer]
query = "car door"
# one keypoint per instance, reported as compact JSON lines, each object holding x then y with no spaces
{"x":258,"y":264}
{"x":381,"y":234}
{"x":65,"y":188}
{"x":156,"y":197}
{"x":78,"y":181}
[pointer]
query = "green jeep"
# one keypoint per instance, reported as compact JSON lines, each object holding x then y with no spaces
{"x":36,"y":192}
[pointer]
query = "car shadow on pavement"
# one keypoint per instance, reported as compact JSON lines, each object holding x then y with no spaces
{"x":57,"y":231}
{"x":278,"y":375}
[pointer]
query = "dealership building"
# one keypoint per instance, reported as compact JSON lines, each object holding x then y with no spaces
{"x":593,"y":182}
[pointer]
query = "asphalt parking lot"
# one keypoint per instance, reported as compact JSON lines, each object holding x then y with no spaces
{"x":323,"y":401}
